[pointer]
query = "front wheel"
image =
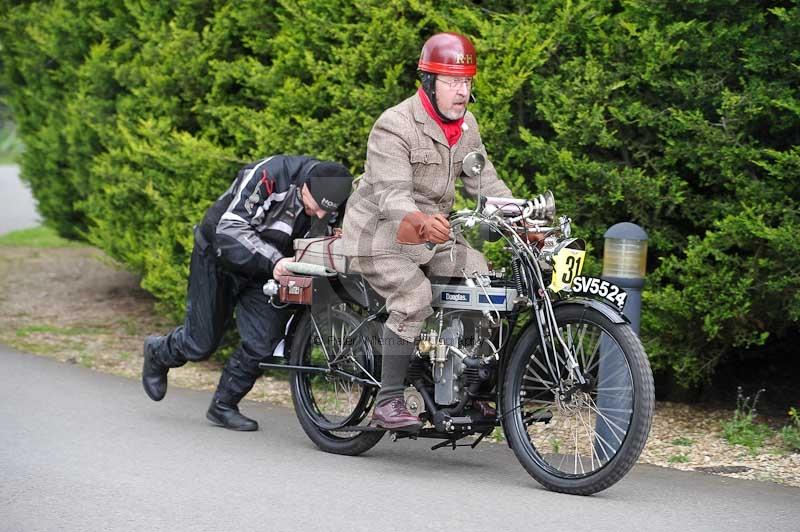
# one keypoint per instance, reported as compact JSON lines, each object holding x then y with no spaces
{"x":571,"y":437}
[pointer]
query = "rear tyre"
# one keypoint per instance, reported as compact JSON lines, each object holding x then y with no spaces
{"x":327,"y":404}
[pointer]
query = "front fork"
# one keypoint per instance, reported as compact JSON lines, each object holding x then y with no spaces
{"x":550,"y":335}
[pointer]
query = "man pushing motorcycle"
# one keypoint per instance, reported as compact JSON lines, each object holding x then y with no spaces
{"x":395,"y":226}
{"x":245,"y":238}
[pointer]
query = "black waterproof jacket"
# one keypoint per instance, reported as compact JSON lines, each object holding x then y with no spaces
{"x":253,"y":224}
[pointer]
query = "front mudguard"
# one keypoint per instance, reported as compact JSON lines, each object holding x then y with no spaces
{"x":606,"y":310}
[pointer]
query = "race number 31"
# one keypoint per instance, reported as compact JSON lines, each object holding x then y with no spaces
{"x":567,"y":265}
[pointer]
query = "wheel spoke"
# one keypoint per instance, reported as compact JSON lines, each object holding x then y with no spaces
{"x":537,"y":388}
{"x":541,"y":366}
{"x":575,"y":433}
{"x":589,"y":366}
{"x":603,"y":448}
{"x":610,"y":423}
{"x":590,"y":433}
{"x":563,"y":458}
{"x":536,"y":377}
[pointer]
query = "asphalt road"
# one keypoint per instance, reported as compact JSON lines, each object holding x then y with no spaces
{"x":81,"y":450}
{"x":18,"y":209}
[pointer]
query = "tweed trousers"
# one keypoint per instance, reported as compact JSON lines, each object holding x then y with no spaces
{"x":402,"y":279}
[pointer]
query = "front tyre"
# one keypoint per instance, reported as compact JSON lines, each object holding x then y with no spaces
{"x":574,"y":438}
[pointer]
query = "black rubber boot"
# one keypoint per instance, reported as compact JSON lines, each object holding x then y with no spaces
{"x":154,"y":373}
{"x":228,"y":416}
{"x":396,"y":356}
{"x":390,"y":408}
{"x":238,"y":377}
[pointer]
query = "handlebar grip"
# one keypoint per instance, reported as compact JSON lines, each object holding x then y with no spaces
{"x":304,"y":268}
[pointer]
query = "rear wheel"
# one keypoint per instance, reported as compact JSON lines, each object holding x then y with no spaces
{"x":571,"y":437}
{"x":339,"y":397}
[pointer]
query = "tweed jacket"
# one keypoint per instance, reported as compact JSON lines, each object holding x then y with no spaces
{"x":409,"y":167}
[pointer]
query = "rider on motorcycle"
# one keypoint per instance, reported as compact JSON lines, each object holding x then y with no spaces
{"x":414,"y":157}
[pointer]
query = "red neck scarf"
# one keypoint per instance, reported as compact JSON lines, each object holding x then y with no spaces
{"x":452,"y":130}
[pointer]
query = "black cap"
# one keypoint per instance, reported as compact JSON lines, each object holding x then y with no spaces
{"x":330,"y":184}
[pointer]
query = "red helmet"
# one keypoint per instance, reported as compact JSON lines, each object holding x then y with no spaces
{"x":450,"y":54}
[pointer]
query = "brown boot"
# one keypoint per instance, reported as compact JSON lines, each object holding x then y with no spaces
{"x":393,"y":414}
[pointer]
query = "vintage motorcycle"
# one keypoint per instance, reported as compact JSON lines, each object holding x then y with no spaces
{"x":536,"y":349}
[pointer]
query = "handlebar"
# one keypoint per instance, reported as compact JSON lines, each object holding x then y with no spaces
{"x":539,"y":210}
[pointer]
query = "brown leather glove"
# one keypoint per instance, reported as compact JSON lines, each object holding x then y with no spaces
{"x":418,"y":228}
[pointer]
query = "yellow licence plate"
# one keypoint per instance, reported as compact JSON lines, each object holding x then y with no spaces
{"x":567,"y":265}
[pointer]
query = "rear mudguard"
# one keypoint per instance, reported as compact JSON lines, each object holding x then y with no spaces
{"x":297,"y":316}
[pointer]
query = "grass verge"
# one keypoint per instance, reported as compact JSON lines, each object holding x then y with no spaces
{"x":36,"y":237}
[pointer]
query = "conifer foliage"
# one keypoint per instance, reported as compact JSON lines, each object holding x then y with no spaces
{"x":683,"y":117}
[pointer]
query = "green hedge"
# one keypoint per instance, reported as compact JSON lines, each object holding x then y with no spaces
{"x":683,"y":117}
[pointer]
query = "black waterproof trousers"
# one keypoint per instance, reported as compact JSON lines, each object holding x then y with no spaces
{"x":214,"y":295}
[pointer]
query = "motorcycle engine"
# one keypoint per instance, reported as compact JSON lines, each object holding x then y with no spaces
{"x":459,"y":340}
